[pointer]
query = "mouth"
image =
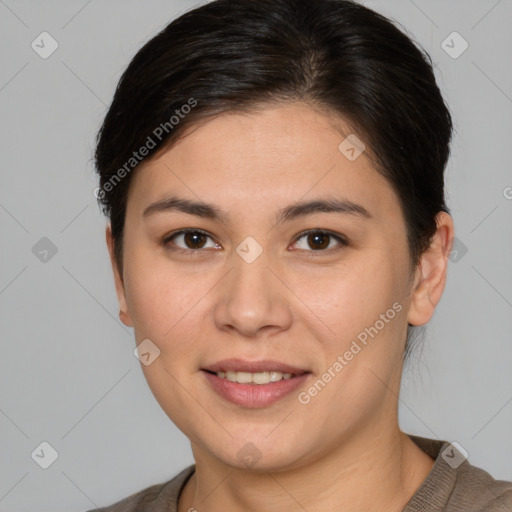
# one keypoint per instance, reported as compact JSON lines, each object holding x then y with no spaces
{"x":253,"y":384}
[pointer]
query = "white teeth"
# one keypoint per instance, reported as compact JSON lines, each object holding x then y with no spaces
{"x":242,"y":377}
{"x":263,"y":377}
{"x":256,"y":378}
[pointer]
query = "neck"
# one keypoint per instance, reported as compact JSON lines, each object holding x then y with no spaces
{"x":375,"y":469}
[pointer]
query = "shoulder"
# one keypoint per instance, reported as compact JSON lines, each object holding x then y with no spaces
{"x":475,"y":487}
{"x":160,"y":497}
{"x":455,"y":485}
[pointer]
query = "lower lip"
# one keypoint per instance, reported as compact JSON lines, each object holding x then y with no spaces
{"x":254,"y":395}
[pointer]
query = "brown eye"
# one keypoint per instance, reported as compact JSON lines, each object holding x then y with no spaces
{"x":318,"y":241}
{"x":194,"y":239}
{"x":188,"y":240}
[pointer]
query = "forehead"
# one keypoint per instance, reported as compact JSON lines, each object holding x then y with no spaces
{"x":281,"y":155}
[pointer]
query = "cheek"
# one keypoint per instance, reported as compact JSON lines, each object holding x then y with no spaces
{"x":347,"y":298}
{"x":165,"y":302}
{"x":149,"y":300}
{"x":362,"y":343}
{"x":363,"y":320}
{"x":165,"y":306}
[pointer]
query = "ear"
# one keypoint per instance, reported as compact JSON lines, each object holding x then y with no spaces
{"x":123,"y":309}
{"x":430,"y":278}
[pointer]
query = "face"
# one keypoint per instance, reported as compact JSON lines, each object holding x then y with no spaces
{"x":259,"y":278}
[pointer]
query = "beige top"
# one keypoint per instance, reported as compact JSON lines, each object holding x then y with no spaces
{"x":452,"y":485}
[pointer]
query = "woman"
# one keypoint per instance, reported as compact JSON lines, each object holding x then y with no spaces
{"x":273,"y":175}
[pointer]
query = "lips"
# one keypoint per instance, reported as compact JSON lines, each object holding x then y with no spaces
{"x":285,"y":379}
{"x":241,"y":365}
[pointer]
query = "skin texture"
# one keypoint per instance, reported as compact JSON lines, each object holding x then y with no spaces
{"x":344,"y":449}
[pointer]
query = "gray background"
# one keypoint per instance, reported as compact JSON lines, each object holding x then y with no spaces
{"x":67,"y":372}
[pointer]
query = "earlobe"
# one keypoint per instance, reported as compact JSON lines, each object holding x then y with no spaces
{"x":124,"y":315}
{"x":431,"y":273}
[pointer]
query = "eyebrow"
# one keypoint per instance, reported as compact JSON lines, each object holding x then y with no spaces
{"x":300,"y":209}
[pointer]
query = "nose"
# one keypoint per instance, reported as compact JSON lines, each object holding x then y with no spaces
{"x":253,"y":300}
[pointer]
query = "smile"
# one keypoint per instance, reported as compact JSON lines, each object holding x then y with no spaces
{"x":257,"y":389}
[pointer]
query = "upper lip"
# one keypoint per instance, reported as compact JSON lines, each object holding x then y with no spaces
{"x":240,"y":365}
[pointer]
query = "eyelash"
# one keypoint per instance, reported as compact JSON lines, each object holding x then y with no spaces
{"x":339,"y":238}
